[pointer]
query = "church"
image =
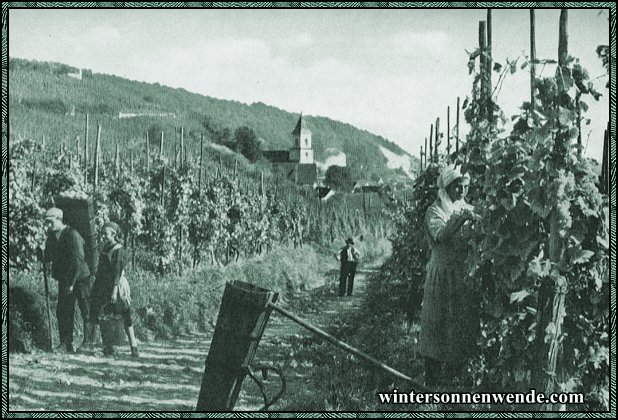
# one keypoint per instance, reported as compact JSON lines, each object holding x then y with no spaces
{"x":295,"y":164}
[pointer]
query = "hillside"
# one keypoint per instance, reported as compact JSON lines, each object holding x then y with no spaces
{"x":44,"y":100}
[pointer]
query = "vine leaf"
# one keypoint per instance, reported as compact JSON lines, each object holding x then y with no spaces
{"x":583,"y":105}
{"x":550,"y":332}
{"x":565,"y":116}
{"x":519,"y":296}
{"x":539,"y":266}
{"x":581,"y":256}
{"x":472,"y":55}
{"x":470,"y":66}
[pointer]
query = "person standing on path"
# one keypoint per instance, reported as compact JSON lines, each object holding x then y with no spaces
{"x":64,"y":249}
{"x":111,"y":288}
{"x":449,"y":318}
{"x":348,"y":256}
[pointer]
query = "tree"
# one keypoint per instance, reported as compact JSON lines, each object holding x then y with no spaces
{"x":339,"y":177}
{"x":247,"y":143}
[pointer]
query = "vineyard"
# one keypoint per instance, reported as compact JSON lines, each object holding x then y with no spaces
{"x":175,"y":212}
{"x":183,"y":219}
{"x":538,"y":254}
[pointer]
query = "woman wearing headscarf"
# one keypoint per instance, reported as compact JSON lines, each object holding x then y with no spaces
{"x":449,"y":323}
{"x":111,"y":288}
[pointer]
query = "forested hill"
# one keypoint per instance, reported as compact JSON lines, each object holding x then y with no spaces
{"x":44,"y":100}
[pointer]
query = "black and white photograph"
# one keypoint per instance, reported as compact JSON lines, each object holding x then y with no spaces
{"x":309,"y":209}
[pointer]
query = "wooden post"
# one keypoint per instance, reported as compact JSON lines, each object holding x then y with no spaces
{"x":425,"y":153}
{"x":431,"y":144}
{"x":199,"y":175}
{"x":437,"y":143}
{"x":563,"y":38}
{"x":33,"y":184}
{"x":49,"y":317}
{"x":532,"y":65}
{"x":133,"y":251}
{"x":488,"y":68}
{"x":163,"y":188}
{"x":86,"y":144}
{"x":421,"y":156}
{"x":97,"y":157}
{"x":147,"y":153}
{"x":180,"y":247}
{"x":457,"y":132}
{"x":183,"y":156}
{"x":235,"y":167}
{"x":78,"y":151}
{"x":175,"y":150}
{"x":364,"y":205}
{"x":117,"y":161}
{"x":131,"y":161}
{"x":161,"y":146}
{"x":483,"y":66}
{"x":262,"y":192}
{"x":579,"y":124}
{"x":448,"y":131}
{"x":605,"y":162}
{"x":175,"y":146}
{"x":552,"y":297}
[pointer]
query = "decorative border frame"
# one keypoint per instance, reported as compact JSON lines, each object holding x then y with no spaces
{"x":5,"y":59}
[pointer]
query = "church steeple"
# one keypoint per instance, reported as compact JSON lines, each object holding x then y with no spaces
{"x":301,"y":152}
{"x":300,"y":125}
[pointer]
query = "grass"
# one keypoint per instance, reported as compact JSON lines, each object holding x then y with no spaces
{"x":170,"y":305}
{"x":383,"y":330}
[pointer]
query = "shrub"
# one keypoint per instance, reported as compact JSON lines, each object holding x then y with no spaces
{"x":27,"y":320}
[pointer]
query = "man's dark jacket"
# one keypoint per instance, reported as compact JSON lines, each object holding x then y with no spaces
{"x":69,"y":265}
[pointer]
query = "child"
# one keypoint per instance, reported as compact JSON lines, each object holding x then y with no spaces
{"x":110,"y":286}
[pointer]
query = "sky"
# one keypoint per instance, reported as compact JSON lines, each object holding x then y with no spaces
{"x":391,"y":72}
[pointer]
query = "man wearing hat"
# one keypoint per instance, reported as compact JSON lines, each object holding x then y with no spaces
{"x":348,"y":255}
{"x":64,"y":249}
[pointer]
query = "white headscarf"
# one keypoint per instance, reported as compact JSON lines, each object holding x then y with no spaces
{"x":448,"y":175}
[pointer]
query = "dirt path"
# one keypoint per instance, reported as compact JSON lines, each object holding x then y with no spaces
{"x":168,"y":375}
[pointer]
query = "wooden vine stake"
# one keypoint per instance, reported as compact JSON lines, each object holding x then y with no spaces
{"x":199,"y":175}
{"x":183,"y":156}
{"x":117,"y":161}
{"x":147,"y":153}
{"x":421,"y":160}
{"x":532,"y":65}
{"x":431,"y":144}
{"x":448,"y":131}
{"x":161,"y":146}
{"x":86,"y":151}
{"x":78,"y":151}
{"x":97,"y":158}
{"x":437,"y":143}
{"x":551,"y":309}
{"x":488,"y":68}
{"x":483,"y":65}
